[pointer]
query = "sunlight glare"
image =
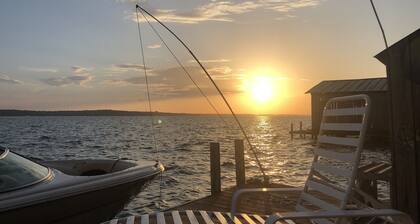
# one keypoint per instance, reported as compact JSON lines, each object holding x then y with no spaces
{"x":262,"y":90}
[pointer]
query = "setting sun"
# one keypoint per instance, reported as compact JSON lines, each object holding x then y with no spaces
{"x":262,"y":90}
{"x":265,"y":90}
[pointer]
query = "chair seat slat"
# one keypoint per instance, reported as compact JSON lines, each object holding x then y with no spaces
{"x":176,"y":217}
{"x":338,"y":140}
{"x":160,"y":218}
{"x":261,"y":220}
{"x":206,"y":217}
{"x":130,"y":220}
{"x":144,"y":219}
{"x":234,"y":219}
{"x":220,"y":217}
{"x":248,"y":219}
{"x":191,"y":217}
{"x":345,"y":111}
{"x":341,"y":126}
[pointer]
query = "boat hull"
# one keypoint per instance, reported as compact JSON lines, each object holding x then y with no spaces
{"x":94,"y":206}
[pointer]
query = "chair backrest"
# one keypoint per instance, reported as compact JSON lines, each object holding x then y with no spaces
{"x":336,"y":156}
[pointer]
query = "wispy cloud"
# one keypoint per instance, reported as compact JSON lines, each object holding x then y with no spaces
{"x":118,"y":68}
{"x":7,"y":80}
{"x":67,"y":80}
{"x":287,"y":6}
{"x":40,"y":70}
{"x":154,"y":46}
{"x":173,"y":82}
{"x":80,"y":76}
{"x":225,"y":10}
{"x":78,"y":70}
{"x":213,"y":11}
{"x":221,"y":60}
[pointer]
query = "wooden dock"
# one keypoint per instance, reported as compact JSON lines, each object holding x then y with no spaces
{"x":213,"y":209}
{"x":257,"y":203}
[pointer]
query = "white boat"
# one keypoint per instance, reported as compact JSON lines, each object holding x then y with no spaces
{"x":68,"y":191}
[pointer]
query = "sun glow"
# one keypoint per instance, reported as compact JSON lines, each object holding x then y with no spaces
{"x":262,"y":90}
{"x":265,"y":90}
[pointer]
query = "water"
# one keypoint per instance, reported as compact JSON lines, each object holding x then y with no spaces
{"x":183,"y":147}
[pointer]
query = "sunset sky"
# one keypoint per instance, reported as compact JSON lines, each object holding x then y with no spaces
{"x":264,"y":54}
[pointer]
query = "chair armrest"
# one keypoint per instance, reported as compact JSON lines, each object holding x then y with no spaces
{"x":398,"y":217}
{"x":242,"y":191}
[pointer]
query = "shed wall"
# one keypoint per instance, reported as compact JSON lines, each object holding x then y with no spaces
{"x":378,"y":122}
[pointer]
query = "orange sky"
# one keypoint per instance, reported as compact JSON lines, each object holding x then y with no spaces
{"x":263,"y":54}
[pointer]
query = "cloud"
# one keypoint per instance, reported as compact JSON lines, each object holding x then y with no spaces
{"x":220,"y":71}
{"x":213,"y":11}
{"x":118,"y":68}
{"x":173,"y":82}
{"x":7,"y":80}
{"x":78,"y":70}
{"x":154,"y":46}
{"x":221,"y":60}
{"x":67,"y":80}
{"x":80,"y":76}
{"x":43,"y":70}
{"x":287,"y":6}
{"x":224,"y":10}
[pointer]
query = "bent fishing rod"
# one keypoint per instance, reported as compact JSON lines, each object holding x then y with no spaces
{"x":215,"y":85}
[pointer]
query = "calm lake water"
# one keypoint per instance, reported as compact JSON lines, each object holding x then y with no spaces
{"x":183,"y":147}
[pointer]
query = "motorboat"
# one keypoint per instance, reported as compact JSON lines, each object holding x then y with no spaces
{"x":68,"y":191}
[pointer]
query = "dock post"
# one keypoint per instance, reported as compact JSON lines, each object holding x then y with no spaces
{"x":291,"y":130}
{"x":300,"y":129}
{"x":215,"y":181}
{"x":240,"y":162}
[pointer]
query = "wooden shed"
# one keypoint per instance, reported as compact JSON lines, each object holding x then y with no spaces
{"x":375,"y":88}
{"x":402,"y":61}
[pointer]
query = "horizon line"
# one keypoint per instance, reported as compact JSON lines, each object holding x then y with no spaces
{"x":135,"y":111}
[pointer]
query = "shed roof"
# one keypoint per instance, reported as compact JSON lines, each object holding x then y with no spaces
{"x":350,"y":86}
{"x":383,"y":56}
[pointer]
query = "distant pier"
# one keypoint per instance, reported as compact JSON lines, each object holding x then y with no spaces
{"x":301,"y":132}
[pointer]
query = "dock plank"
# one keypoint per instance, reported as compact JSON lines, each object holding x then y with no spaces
{"x":260,"y":204}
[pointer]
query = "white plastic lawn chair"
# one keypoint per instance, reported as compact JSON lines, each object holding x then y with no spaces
{"x":336,"y":157}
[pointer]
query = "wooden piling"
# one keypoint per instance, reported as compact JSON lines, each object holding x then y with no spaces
{"x":216,"y":186}
{"x":300,"y":129}
{"x":240,"y":162}
{"x":291,"y":130}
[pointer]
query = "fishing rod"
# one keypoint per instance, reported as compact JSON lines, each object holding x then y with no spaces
{"x":217,"y":88}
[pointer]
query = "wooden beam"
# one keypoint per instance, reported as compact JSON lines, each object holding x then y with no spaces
{"x":240,"y":162}
{"x":216,"y":186}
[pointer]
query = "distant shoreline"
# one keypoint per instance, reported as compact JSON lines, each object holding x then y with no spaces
{"x":4,"y":113}
{"x":21,"y":113}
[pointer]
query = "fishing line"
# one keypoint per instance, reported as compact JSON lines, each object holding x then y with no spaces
{"x":218,"y":90}
{"x":185,"y":69}
{"x":149,"y":102}
{"x":147,"y":87}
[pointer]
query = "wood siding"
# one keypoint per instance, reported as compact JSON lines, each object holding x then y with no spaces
{"x":403,"y":67}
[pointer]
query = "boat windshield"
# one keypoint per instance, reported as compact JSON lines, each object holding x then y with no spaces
{"x":18,"y":172}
